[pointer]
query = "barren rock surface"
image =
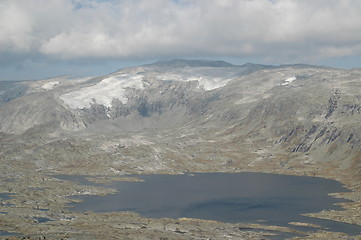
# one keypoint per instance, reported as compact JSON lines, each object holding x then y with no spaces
{"x":187,"y":116}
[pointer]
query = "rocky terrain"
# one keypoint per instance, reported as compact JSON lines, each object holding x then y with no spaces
{"x":173,"y":117}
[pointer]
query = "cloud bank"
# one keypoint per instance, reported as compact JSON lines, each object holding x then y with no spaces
{"x":272,"y":30}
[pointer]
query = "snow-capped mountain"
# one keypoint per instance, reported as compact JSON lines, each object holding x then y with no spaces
{"x":170,"y":116}
{"x":133,"y":92}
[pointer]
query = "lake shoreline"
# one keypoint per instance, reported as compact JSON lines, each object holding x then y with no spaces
{"x":64,"y":219}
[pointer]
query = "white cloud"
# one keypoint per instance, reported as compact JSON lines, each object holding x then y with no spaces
{"x":128,"y":29}
{"x":15,"y":33}
{"x":340,"y":51}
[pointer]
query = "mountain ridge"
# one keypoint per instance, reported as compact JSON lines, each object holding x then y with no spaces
{"x":294,"y":119}
{"x":300,"y":107}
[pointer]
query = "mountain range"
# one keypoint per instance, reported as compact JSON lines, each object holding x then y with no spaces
{"x":187,"y":116}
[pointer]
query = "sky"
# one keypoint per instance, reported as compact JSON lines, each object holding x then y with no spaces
{"x":47,"y":38}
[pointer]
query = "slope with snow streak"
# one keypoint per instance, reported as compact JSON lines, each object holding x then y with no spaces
{"x":115,"y":87}
{"x":208,"y":83}
{"x":104,"y":92}
{"x":288,"y":81}
{"x":50,"y":85}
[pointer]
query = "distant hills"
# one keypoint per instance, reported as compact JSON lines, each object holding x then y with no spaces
{"x":190,"y":115}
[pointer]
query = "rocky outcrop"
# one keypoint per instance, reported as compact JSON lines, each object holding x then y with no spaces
{"x":36,"y":110}
{"x":176,"y":117}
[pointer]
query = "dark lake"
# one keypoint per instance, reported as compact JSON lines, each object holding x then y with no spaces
{"x":226,"y":197}
{"x":3,"y":197}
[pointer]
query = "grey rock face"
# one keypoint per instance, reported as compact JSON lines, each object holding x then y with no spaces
{"x":37,"y":109}
{"x":174,"y":117}
{"x":294,"y":108}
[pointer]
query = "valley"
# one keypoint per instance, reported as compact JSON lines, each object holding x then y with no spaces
{"x":174,"y":117}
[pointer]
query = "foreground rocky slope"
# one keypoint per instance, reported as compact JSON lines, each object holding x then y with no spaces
{"x":173,"y":117}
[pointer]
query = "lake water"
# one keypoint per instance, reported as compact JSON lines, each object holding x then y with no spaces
{"x":226,"y":197}
{"x":3,"y":197}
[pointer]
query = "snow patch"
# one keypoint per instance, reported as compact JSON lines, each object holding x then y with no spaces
{"x":50,"y":85}
{"x":213,"y":83}
{"x":288,"y":81}
{"x":104,"y":92}
{"x":113,"y":170}
{"x":208,"y":83}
